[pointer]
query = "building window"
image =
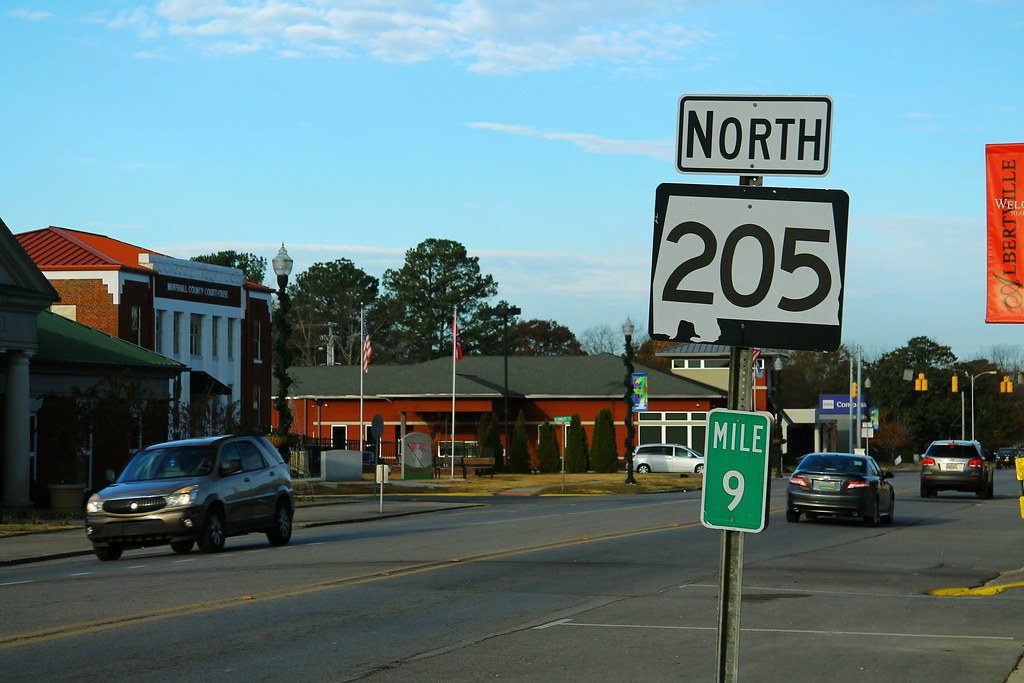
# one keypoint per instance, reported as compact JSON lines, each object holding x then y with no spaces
{"x":688,"y":429}
{"x":195,"y":335}
{"x":215,"y":335}
{"x":256,"y":400}
{"x":257,"y":340}
{"x":176,"y":334}
{"x":158,"y":331}
{"x":699,"y":363}
{"x":231,"y":339}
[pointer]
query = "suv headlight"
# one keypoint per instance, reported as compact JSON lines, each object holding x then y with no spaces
{"x":182,"y":497}
{"x":94,"y":505}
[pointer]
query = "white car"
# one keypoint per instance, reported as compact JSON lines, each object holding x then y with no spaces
{"x":667,"y":457}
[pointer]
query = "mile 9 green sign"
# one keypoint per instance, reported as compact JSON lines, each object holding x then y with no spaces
{"x":735,"y":493}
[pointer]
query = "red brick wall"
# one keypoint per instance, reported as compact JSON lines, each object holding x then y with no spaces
{"x":136,"y":294}
{"x":256,"y":375}
{"x":94,"y":304}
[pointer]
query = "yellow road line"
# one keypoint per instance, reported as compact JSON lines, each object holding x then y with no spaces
{"x":98,"y":625}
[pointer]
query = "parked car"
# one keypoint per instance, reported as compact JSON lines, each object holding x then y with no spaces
{"x":1006,"y":457}
{"x":193,"y":491}
{"x":667,"y":457}
{"x":842,"y":485}
{"x":958,"y":466}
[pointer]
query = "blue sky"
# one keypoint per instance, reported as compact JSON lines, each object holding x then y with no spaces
{"x":534,"y":133}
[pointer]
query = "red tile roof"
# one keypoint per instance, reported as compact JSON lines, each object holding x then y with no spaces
{"x":59,"y":247}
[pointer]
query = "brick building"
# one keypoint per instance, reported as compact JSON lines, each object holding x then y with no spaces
{"x":204,"y":316}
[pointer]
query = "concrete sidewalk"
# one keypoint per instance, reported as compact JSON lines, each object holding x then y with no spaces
{"x":71,"y":542}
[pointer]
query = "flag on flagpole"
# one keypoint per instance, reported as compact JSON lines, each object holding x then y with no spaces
{"x":367,"y":348}
{"x":457,"y":339}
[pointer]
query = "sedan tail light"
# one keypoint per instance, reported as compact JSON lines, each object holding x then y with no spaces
{"x":857,"y":484}
{"x":928,"y":461}
{"x":797,"y":480}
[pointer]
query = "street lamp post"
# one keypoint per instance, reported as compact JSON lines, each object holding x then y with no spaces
{"x":282,"y":353}
{"x":974,"y":377}
{"x":627,"y":331}
{"x":776,"y":396}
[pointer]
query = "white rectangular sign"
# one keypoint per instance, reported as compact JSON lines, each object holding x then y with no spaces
{"x":749,"y":266}
{"x":754,"y":135}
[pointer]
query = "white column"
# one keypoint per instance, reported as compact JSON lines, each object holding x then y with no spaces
{"x":16,"y":426}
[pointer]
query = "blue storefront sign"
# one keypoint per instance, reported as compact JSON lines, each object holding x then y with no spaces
{"x":840,"y":404}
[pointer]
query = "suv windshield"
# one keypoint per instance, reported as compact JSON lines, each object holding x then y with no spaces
{"x":952,"y":450}
{"x":168,"y":463}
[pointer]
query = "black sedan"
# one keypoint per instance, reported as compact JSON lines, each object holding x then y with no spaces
{"x":842,"y":485}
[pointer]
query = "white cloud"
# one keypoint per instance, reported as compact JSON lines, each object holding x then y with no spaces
{"x":29,"y":15}
{"x":496,"y":37}
{"x":659,"y":149}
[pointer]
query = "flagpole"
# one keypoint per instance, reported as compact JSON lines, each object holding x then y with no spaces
{"x":362,"y":429}
{"x":455,"y":345}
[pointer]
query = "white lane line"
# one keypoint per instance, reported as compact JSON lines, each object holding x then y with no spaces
{"x":82,"y":574}
{"x":570,"y":622}
{"x":15,"y":583}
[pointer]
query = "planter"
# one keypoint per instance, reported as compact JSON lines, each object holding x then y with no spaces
{"x":66,"y":498}
{"x":284,"y":440}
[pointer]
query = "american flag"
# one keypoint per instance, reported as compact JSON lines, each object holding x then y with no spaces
{"x":457,"y":339}
{"x":367,"y":348}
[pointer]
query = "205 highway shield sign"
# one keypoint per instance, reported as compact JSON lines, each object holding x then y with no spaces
{"x":749,"y":266}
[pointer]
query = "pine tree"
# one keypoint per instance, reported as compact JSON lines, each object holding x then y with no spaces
{"x":519,"y":452}
{"x":576,"y":446}
{"x":547,"y":450}
{"x":604,"y":454}
{"x":489,"y":439}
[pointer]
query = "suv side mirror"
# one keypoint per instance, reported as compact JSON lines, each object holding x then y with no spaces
{"x":231,"y":466}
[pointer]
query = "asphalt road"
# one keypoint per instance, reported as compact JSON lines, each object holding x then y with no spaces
{"x":618,"y":588}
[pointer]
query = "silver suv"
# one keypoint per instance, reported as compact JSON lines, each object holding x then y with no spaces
{"x":667,"y":457}
{"x":957,"y":466}
{"x":196,"y":490}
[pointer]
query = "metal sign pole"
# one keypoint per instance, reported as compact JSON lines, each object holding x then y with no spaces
{"x":730,"y":591}
{"x":731,"y":573}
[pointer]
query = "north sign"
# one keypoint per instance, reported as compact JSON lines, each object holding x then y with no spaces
{"x":761,"y":135}
{"x":749,"y":266}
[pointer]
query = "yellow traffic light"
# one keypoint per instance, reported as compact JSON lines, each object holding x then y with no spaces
{"x":956,"y":384}
{"x":1006,"y":386}
{"x":920,"y":384}
{"x":853,"y":392}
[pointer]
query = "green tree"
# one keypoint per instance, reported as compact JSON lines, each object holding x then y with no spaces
{"x":325,"y":303}
{"x":437,"y":279}
{"x":519,"y":452}
{"x":545,"y":338}
{"x":604,"y":454}
{"x":547,"y":450}
{"x":488,"y":437}
{"x":576,"y":446}
{"x":920,"y":416}
{"x":253,"y":267}
{"x":809,"y":374}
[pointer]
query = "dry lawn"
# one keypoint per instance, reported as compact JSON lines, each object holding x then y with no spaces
{"x":535,"y":484}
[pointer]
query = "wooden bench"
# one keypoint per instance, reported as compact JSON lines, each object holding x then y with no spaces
{"x":481,"y":466}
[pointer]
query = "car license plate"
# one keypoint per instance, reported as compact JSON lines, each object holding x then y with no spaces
{"x":955,"y":466}
{"x":825,"y":485}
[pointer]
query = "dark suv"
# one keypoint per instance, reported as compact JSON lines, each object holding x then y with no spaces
{"x":958,"y":466}
{"x":196,"y":490}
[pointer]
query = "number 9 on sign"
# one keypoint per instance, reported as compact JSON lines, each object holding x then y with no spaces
{"x":732,"y":484}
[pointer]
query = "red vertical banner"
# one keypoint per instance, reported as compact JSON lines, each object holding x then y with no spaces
{"x":1004,"y":296}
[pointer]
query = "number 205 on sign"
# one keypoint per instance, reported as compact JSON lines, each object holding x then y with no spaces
{"x":735,"y":492}
{"x":749,"y":266}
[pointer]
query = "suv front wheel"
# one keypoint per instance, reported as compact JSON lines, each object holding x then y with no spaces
{"x":212,"y":540}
